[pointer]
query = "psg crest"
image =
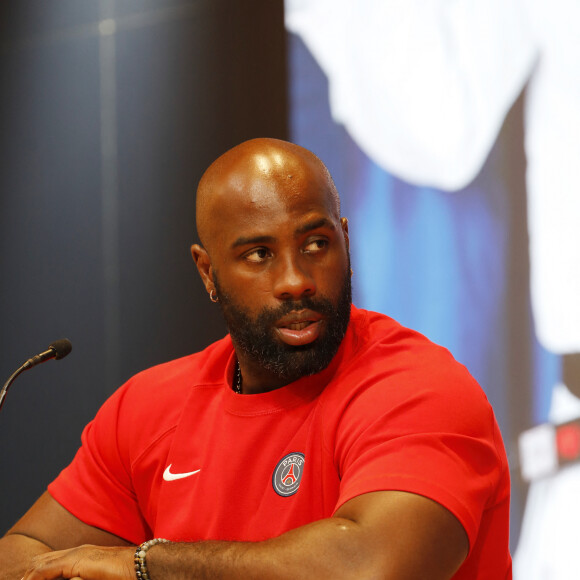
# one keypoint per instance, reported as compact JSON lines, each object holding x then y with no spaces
{"x":288,"y":473}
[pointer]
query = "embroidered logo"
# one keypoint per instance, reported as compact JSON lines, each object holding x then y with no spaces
{"x":288,"y":473}
{"x":168,"y":476}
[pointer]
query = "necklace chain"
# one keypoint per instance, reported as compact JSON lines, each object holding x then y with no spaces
{"x":238,"y":379}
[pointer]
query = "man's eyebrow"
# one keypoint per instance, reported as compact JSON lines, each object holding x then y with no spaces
{"x":303,"y":229}
{"x":320,"y":223}
{"x":244,"y":241}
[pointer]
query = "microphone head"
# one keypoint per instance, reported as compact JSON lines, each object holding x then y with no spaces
{"x":61,"y":347}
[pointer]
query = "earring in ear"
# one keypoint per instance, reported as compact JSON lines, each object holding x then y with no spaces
{"x":213,"y":297}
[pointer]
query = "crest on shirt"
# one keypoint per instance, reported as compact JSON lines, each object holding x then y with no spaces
{"x":288,"y":474}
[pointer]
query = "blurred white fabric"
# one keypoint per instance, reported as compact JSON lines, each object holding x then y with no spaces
{"x":548,"y":545}
{"x":423,"y":87}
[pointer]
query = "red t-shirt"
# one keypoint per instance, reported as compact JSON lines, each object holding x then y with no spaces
{"x":175,"y":453}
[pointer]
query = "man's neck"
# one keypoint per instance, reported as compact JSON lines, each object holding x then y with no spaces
{"x":255,"y":379}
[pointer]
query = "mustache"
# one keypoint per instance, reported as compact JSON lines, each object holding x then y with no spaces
{"x":319,"y":305}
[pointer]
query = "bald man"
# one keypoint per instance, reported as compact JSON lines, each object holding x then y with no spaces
{"x":316,"y":440}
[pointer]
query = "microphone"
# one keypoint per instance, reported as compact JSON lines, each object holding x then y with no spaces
{"x":57,"y":350}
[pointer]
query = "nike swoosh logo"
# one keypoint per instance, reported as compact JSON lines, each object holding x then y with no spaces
{"x":168,"y":476}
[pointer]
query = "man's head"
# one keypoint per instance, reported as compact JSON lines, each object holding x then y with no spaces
{"x":275,"y":252}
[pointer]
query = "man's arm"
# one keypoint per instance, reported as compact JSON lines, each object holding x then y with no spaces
{"x":47,"y":526}
{"x":386,"y":535}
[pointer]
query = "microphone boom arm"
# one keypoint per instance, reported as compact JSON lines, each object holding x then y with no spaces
{"x":9,"y":382}
{"x":58,"y":349}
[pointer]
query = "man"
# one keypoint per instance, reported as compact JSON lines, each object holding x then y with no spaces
{"x":315,"y":441}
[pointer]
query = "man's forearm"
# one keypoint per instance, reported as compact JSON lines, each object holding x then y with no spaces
{"x":16,"y":551}
{"x":379,"y":535}
{"x":328,"y":548}
{"x":325,"y":549}
{"x":388,"y":535}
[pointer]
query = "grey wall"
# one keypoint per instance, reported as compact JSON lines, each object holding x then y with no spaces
{"x":109,"y":113}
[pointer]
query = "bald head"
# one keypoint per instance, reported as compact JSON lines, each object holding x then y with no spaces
{"x":257,"y":174}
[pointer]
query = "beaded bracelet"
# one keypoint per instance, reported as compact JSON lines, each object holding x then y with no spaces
{"x":139,"y":559}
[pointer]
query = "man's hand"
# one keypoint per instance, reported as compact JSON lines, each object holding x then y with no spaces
{"x":46,"y":528}
{"x":86,"y":562}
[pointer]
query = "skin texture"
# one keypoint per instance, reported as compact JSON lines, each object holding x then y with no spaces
{"x":269,"y":221}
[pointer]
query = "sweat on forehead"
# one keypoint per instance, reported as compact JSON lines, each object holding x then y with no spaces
{"x":245,"y":172}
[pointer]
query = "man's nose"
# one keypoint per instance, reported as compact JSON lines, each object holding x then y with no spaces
{"x":293,"y":279}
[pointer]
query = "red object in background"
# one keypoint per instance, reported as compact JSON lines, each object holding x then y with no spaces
{"x":568,"y":441}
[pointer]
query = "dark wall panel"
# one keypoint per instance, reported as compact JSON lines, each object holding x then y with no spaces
{"x":100,"y":160}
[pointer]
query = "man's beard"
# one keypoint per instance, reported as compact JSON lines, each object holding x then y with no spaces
{"x":255,"y":336}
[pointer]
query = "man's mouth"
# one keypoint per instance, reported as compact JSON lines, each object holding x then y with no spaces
{"x":299,"y":328}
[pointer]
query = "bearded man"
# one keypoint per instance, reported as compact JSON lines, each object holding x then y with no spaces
{"x":316,"y":440}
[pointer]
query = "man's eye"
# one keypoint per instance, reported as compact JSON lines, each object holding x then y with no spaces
{"x":257,"y":255}
{"x":316,"y":246}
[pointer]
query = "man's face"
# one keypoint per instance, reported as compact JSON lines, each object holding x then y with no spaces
{"x":257,"y":335}
{"x":278,"y":260}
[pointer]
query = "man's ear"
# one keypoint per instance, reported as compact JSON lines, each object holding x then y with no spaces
{"x":344,"y":224}
{"x":202,"y":261}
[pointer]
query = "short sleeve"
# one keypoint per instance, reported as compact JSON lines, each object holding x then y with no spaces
{"x":96,"y":487}
{"x":437,"y":439}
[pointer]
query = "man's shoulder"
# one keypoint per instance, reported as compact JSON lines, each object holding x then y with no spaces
{"x":397,"y":377}
{"x":161,"y":390}
{"x":204,"y":367}
{"x":374,"y":330}
{"x":149,"y":405}
{"x":384,"y":355}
